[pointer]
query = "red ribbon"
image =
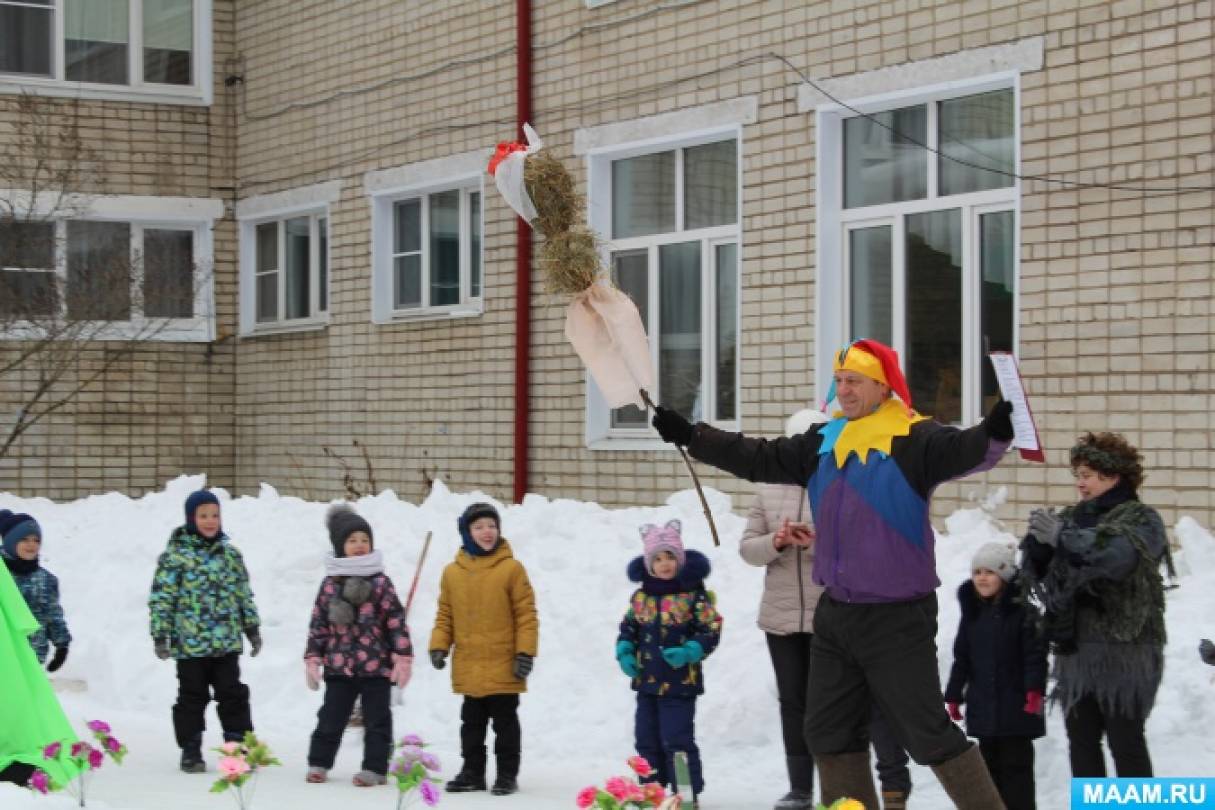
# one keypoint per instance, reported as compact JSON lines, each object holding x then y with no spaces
{"x":501,"y":153}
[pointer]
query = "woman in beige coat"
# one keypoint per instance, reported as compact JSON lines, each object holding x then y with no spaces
{"x":779,"y":537}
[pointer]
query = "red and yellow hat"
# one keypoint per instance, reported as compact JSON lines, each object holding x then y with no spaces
{"x":876,"y":361}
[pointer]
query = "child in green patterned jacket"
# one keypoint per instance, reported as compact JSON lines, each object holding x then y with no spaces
{"x":201,"y":602}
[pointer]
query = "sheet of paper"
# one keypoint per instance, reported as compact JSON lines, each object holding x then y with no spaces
{"x":1025,"y":432}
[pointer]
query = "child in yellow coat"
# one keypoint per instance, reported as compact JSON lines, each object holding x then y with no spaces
{"x":487,"y":611}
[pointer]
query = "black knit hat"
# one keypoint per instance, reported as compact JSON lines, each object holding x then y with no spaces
{"x":342,"y":521}
{"x":477,"y":511}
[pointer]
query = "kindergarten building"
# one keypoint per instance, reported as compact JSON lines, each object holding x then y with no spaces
{"x":769,"y":181}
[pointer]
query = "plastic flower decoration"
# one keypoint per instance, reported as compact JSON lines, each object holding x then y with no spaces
{"x":239,"y":767}
{"x":416,"y":773}
{"x":623,"y":793}
{"x":842,"y":804}
{"x":83,"y":757}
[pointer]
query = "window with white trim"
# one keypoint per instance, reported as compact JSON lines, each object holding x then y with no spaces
{"x":427,"y":252}
{"x":144,"y":274}
{"x":157,"y":47}
{"x":924,"y":241}
{"x":673,"y":219}
{"x":289,"y":268}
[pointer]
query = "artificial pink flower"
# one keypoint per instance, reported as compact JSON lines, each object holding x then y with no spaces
{"x":411,"y":739}
{"x":618,"y":786}
{"x":112,"y":745}
{"x":653,"y":792}
{"x":80,"y":748}
{"x":51,"y":751}
{"x":232,"y":768}
{"x":586,"y":797}
{"x":430,"y":793}
{"x":411,"y":753}
{"x":96,"y":758}
{"x":430,"y":762}
{"x":230,"y":747}
{"x":41,"y":782}
{"x":640,"y":765}
{"x":100,"y":726}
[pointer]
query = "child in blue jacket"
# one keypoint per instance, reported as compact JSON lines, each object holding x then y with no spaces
{"x":22,"y":541}
{"x":671,"y":625}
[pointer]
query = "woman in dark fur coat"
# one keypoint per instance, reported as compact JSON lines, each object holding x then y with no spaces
{"x":1095,"y":567}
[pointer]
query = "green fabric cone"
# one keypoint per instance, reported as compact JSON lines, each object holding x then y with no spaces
{"x":32,"y":715}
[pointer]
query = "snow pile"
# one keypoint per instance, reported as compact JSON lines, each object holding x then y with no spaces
{"x":577,"y":714}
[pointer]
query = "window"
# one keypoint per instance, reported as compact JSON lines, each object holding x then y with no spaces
{"x":427,"y":253}
{"x":290,"y":270}
{"x":924,"y":240}
{"x":144,"y":274}
{"x":674,"y":228}
{"x":156,"y":48}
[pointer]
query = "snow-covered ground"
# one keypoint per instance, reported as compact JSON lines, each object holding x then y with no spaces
{"x":577,"y":715}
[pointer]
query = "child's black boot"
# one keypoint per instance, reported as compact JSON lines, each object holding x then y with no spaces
{"x":471,"y":776}
{"x":191,"y":757}
{"x":506,"y":781}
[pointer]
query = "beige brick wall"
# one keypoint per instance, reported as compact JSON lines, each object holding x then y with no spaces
{"x":1116,"y":286}
{"x":164,"y":408}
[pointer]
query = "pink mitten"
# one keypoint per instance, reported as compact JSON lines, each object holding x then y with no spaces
{"x":402,"y":670}
{"x":312,"y":673}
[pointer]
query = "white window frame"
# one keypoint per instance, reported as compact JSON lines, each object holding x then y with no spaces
{"x":383,"y":203}
{"x":307,"y":201}
{"x":834,"y":222}
{"x":197,"y":216}
{"x":199,"y":93}
{"x":600,"y":435}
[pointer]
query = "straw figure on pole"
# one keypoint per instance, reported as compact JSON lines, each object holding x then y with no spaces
{"x":602,"y":323}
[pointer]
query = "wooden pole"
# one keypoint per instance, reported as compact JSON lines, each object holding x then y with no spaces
{"x":704,"y":504}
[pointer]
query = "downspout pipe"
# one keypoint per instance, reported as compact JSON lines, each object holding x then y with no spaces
{"x":523,"y":254}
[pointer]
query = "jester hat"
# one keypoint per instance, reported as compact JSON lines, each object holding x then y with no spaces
{"x":876,"y":361}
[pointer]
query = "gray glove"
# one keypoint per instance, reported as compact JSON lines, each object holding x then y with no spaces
{"x":162,"y":648}
{"x":1045,"y":526}
{"x":522,"y":666}
{"x":255,"y":640}
{"x":438,"y":658}
{"x":1207,"y":650}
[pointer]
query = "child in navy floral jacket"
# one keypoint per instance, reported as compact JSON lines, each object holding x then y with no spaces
{"x":670,"y":627}
{"x":359,"y":644}
{"x":22,"y":541}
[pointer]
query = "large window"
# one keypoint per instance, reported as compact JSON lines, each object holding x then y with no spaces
{"x":674,"y":228}
{"x":290,"y":270}
{"x":926,"y":239}
{"x":427,"y":253}
{"x":145,"y":46}
{"x":120,"y":272}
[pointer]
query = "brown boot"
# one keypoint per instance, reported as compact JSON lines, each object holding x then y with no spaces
{"x":966,"y":780}
{"x":894,"y":800}
{"x":846,"y":776}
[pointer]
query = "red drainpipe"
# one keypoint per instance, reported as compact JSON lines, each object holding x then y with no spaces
{"x":523,"y":252}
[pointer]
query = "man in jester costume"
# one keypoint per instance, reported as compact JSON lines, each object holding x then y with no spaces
{"x":870,"y":473}
{"x":32,"y":716}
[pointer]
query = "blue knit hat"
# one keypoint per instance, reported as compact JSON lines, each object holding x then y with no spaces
{"x":196,"y":500}
{"x":472,"y":514}
{"x":16,"y":527}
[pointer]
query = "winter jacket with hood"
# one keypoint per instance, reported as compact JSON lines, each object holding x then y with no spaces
{"x":487,"y":610}
{"x":790,"y":594}
{"x":874,"y":542}
{"x":998,"y":656}
{"x":665,"y":613}
{"x":40,"y":588}
{"x":201,"y":602}
{"x":365,"y":648}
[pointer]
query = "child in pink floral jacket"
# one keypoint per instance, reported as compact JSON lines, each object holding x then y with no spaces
{"x":359,"y":644}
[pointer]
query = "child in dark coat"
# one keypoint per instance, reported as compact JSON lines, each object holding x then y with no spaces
{"x":999,"y":672}
{"x":670,"y":626}
{"x":40,"y":588}
{"x":359,"y":645}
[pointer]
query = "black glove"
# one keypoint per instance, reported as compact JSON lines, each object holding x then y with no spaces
{"x":998,"y":423}
{"x":162,"y":648}
{"x":522,"y":666}
{"x":438,"y":658}
{"x":57,"y":659}
{"x":1045,"y":525}
{"x":672,"y":427}
{"x":1207,"y":650}
{"x":255,"y":640}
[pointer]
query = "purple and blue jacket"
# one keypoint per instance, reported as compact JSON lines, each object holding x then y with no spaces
{"x":874,"y":539}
